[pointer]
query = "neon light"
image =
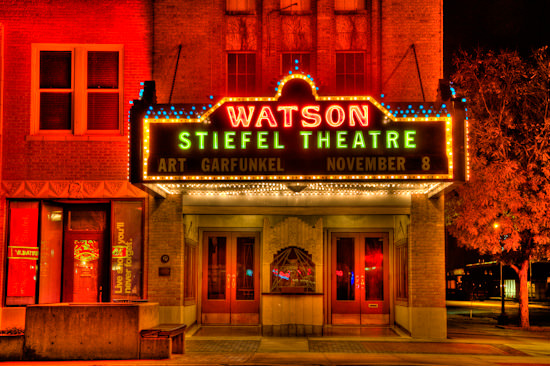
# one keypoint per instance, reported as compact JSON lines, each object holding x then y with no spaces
{"x":341,"y":139}
{"x":242,"y":117}
{"x":308,"y":114}
{"x":287,"y":114}
{"x":215,"y":140}
{"x":391,"y":139}
{"x":359,"y":140}
{"x":245,"y":138}
{"x":262,"y":140}
{"x":355,"y":113}
{"x":323,"y":140}
{"x":185,"y":142}
{"x":409,"y":139}
{"x":341,"y":115}
{"x":306,"y":135}
{"x":229,"y":139}
{"x":201,"y":135}
{"x":266,"y":114}
{"x":374,"y":135}
{"x":276,"y":144}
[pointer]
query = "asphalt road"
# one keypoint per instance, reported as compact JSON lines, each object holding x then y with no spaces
{"x":539,"y":312}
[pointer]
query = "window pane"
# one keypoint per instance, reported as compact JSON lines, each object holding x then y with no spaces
{"x":250,"y":84}
{"x":232,"y":63}
{"x":350,"y":63}
{"x":216,"y":267}
{"x":189,"y":272}
{"x":231,"y":84}
{"x":359,"y":63}
{"x":245,"y":269}
{"x":102,"y":69}
{"x":374,"y":284}
{"x":22,"y":253}
{"x":51,"y":254}
{"x":103,"y":111}
{"x":55,"y":69}
{"x":340,"y":63}
{"x":241,"y":63}
{"x":126,"y":250}
{"x":87,"y":220}
{"x":251,"y":63}
{"x":345,"y":269}
{"x":55,"y":111}
{"x":241,"y":84}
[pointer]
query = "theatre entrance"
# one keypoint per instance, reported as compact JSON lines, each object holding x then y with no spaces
{"x":359,"y":278}
{"x":231,"y":281}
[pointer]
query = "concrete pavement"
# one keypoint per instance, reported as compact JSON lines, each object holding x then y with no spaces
{"x":471,"y":341}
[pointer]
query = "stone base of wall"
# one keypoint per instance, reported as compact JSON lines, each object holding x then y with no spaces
{"x":292,"y":330}
{"x":11,"y":347}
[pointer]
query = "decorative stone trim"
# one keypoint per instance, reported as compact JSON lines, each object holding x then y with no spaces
{"x":76,"y":189}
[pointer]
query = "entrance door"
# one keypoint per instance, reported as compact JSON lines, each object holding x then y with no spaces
{"x":84,"y":255}
{"x":231,"y":281}
{"x":359,"y":278}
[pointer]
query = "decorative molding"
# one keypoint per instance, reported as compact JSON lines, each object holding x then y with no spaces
{"x":76,"y":189}
{"x":293,"y":231}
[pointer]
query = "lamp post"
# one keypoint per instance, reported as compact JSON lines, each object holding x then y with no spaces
{"x":503,"y":317}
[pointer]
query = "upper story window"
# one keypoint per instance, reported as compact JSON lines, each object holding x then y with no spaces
{"x":241,"y":74}
{"x":295,"y":6}
{"x":349,"y":5}
{"x":295,"y":62}
{"x":350,"y":73}
{"x":240,"y":6}
{"x":76,"y":89}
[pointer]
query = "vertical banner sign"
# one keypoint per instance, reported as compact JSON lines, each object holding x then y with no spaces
{"x":126,"y":277}
{"x":22,"y":253}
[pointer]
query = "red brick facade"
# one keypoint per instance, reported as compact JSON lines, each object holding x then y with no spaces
{"x":403,"y":59}
{"x":31,"y":163}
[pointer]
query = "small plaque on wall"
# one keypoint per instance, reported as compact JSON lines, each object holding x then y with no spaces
{"x":164,"y":271}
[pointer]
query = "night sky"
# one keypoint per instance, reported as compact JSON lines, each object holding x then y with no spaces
{"x":521,"y":25}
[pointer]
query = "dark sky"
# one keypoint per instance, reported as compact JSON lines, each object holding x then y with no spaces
{"x":521,"y":25}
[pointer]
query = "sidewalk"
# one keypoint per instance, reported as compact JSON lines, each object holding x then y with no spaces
{"x":472,"y":342}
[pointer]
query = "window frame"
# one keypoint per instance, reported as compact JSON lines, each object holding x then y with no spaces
{"x":250,"y":7}
{"x":190,"y":253}
{"x":79,"y":89}
{"x":349,"y":9}
{"x":239,"y":93}
{"x":356,"y":91}
{"x":299,"y":9}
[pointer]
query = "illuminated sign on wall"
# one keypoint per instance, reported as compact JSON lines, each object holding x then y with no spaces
{"x":295,"y":135}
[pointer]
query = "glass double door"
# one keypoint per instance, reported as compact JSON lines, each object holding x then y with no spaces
{"x":231,"y":281}
{"x":359,"y":278}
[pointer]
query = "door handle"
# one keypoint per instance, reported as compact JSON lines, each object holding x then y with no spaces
{"x":233,"y":280}
{"x":362,"y":282}
{"x":228,"y":281}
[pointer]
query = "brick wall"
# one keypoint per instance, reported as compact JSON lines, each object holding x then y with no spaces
{"x":68,"y":22}
{"x":206,"y":34}
{"x":166,"y":237}
{"x":427,"y":252}
{"x":25,"y":22}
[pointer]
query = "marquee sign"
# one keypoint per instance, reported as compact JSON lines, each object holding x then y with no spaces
{"x":295,"y":135}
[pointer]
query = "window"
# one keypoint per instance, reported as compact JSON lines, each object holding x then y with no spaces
{"x":60,"y":252}
{"x":76,"y":89}
{"x":189,"y":274}
{"x":349,"y":5}
{"x":291,"y":61}
{"x":240,"y":6}
{"x":293,"y":6}
{"x":350,"y":72}
{"x":401,"y":271}
{"x":241,"y":74}
{"x":292,"y":270}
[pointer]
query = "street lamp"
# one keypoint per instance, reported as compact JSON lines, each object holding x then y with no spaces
{"x":502,"y":318}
